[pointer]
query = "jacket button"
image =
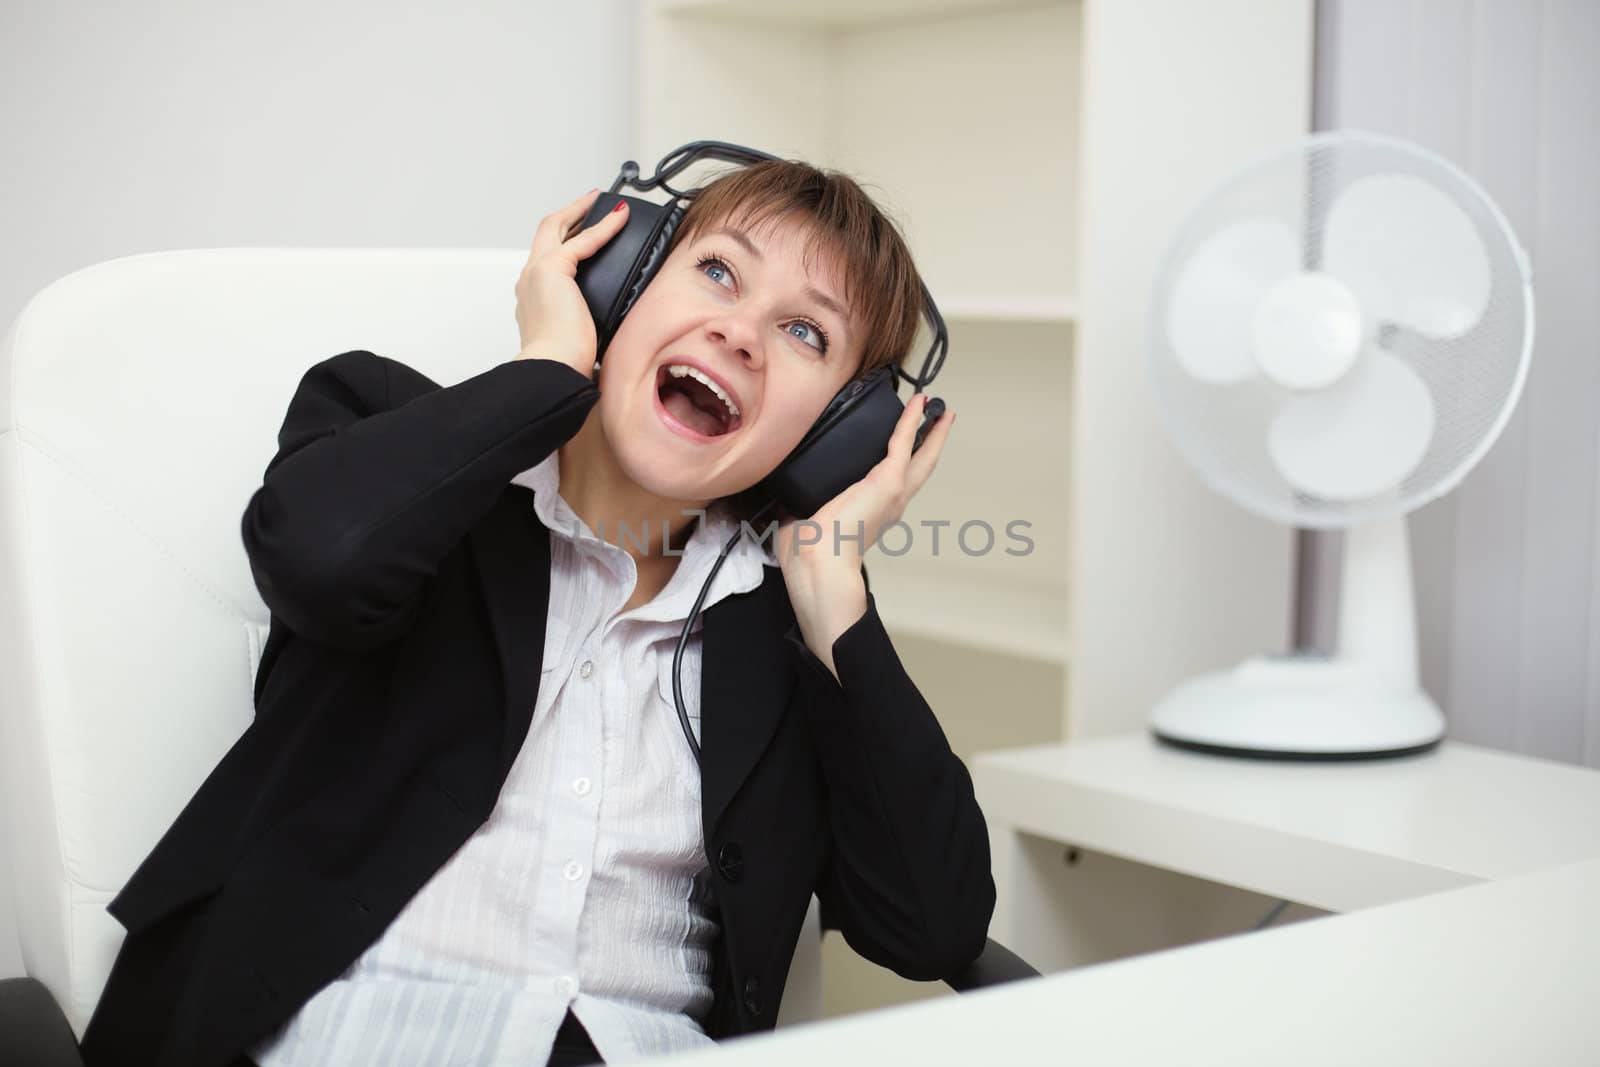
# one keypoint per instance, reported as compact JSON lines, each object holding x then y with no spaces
{"x":730,"y":861}
{"x":752,"y":996}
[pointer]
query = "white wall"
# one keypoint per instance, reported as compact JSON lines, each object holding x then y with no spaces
{"x":1508,"y":565}
{"x":148,"y":125}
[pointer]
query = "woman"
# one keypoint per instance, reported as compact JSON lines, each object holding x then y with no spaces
{"x":465,"y":827}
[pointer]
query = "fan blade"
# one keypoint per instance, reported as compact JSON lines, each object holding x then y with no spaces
{"x":1215,"y":296}
{"x":1410,"y":253}
{"x":1359,"y":438}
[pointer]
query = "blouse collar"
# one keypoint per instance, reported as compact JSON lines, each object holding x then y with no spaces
{"x":741,"y":572}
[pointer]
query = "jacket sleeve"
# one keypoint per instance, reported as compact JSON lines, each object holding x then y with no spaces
{"x":380,"y":472}
{"x":908,"y":881}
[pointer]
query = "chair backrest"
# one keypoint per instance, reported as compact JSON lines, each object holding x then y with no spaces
{"x":139,"y":405}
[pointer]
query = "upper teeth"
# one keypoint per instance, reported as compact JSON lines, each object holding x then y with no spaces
{"x":680,"y":370}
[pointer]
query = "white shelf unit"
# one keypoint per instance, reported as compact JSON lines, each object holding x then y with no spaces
{"x":838,"y":14}
{"x":1036,"y":155}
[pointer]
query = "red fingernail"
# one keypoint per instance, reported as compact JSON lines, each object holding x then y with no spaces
{"x":620,"y":205}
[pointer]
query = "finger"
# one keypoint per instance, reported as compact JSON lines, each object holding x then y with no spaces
{"x":587,"y":242}
{"x":573,"y":214}
{"x":924,"y":459}
{"x":905,"y":432}
{"x":893,"y":468}
{"x":554,"y":227}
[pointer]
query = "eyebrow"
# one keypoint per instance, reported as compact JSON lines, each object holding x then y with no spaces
{"x":814,"y":293}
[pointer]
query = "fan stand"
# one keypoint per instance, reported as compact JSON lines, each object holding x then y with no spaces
{"x":1363,"y":703}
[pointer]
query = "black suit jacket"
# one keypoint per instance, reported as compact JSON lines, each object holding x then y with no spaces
{"x":408,"y":583}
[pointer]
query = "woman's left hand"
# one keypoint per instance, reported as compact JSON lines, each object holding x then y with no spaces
{"x":821,"y":568}
{"x":869,"y":505}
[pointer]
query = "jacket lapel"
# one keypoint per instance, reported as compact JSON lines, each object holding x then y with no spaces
{"x":746,"y":678}
{"x":512,"y":549}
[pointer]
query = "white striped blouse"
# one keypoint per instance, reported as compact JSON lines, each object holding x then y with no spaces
{"x":588,"y":885}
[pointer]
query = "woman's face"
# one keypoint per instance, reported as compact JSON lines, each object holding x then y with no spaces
{"x":740,"y":306}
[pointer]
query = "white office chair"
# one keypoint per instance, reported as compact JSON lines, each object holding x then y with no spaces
{"x":140,"y":401}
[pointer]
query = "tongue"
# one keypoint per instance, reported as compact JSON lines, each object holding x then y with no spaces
{"x":682,"y":408}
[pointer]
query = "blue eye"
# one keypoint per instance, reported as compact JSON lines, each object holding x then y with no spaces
{"x":822,"y":338}
{"x":716,"y":265}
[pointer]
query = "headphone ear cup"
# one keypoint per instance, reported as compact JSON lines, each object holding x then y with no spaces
{"x":849,"y":438}
{"x":612,"y":279}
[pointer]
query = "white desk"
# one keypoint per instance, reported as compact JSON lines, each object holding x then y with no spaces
{"x":1337,"y":836}
{"x":1497,"y":974}
{"x":1471,"y":879}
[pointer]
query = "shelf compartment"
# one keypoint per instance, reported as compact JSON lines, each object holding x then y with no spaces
{"x":963,"y":127}
{"x":973,"y":610}
{"x":844,"y":14}
{"x":1027,"y":309}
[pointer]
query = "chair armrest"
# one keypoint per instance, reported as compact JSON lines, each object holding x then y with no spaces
{"x":996,"y":965}
{"x":32,"y":1028}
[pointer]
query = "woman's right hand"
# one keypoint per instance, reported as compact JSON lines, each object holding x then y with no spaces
{"x":552,"y":316}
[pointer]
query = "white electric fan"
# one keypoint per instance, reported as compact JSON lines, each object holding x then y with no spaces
{"x":1339,"y":333}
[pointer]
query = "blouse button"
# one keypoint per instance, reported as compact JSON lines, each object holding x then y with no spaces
{"x":573,"y":870}
{"x":580,"y":786}
{"x":587,"y":668}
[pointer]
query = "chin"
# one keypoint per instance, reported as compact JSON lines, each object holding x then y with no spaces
{"x":651,"y":472}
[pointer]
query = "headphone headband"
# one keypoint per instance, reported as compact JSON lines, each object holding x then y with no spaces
{"x":680,"y":159}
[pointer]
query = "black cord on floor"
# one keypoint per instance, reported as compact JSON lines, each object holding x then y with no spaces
{"x":1277,"y":909}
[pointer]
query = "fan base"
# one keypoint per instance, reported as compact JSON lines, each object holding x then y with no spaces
{"x":1298,"y":707}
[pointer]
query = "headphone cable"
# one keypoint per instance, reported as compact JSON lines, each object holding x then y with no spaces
{"x":694,"y":613}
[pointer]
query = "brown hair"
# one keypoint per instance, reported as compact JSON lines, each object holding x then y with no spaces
{"x":882,"y":288}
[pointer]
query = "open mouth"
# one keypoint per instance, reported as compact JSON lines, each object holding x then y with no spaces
{"x":692,"y":405}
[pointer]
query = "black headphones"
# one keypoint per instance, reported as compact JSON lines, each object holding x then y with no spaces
{"x":851,"y":435}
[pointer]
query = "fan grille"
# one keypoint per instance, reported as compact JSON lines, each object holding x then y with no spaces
{"x":1474,"y":379}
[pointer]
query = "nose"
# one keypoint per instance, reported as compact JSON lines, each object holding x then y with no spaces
{"x":739,"y":333}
